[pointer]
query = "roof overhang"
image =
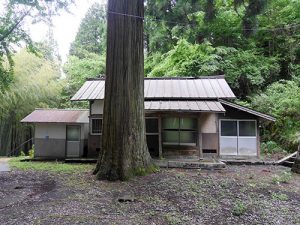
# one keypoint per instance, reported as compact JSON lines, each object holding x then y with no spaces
{"x":245,"y":109}
{"x":184,"y":106}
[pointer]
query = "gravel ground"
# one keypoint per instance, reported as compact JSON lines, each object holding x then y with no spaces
{"x":235,"y":195}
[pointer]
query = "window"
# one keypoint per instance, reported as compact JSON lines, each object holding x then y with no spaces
{"x":228,"y":128}
{"x":73,"y":133}
{"x":152,"y":135}
{"x":241,"y":128}
{"x":96,"y":126}
{"x":179,"y":131}
{"x":247,"y":128}
{"x":151,"y":125}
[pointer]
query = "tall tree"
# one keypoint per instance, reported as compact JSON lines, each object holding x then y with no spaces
{"x":91,"y":36}
{"x":124,"y":150}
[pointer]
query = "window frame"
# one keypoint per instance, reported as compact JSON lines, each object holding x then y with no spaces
{"x":194,"y":131}
{"x":91,"y":126}
{"x":238,"y":127}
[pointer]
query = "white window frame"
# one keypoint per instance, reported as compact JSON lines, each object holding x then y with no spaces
{"x":238,"y":132}
{"x":238,"y":127}
{"x":91,"y":126}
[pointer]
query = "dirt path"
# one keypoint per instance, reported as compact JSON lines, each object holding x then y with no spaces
{"x":236,"y":195}
{"x":4,"y":167}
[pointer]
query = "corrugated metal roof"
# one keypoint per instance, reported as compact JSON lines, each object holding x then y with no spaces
{"x":251,"y":111}
{"x":213,"y":87}
{"x":57,"y":116}
{"x":184,"y":106}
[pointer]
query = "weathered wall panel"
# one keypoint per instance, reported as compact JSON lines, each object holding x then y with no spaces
{"x":97,"y":107}
{"x":50,"y":148}
{"x":208,"y":122}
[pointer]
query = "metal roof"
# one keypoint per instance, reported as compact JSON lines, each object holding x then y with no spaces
{"x":213,"y":87}
{"x":245,"y":109}
{"x":184,"y":106}
{"x":57,"y":116}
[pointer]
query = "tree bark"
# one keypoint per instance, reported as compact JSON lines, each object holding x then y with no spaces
{"x":124,"y":150}
{"x":296,"y":166}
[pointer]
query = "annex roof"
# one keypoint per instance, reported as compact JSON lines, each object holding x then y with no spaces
{"x":184,"y":106}
{"x":57,"y":116}
{"x":212,"y":87}
{"x":251,"y":111}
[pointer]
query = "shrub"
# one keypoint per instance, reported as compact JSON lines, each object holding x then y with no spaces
{"x":284,"y":177}
{"x":271,"y":147}
{"x":31,"y":152}
{"x":239,"y":208}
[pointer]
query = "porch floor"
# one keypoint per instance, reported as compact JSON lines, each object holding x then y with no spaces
{"x":206,"y":163}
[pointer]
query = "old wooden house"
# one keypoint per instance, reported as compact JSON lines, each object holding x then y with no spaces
{"x":185,"y":117}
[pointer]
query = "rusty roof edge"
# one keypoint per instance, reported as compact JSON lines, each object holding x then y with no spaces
{"x":246,"y":109}
{"x":61,"y":109}
{"x":168,"y":78}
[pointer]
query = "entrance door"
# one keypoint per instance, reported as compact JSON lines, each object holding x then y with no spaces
{"x":229,"y":137}
{"x":238,"y":138}
{"x":73,"y":141}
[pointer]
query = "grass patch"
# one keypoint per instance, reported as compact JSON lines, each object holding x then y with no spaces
{"x":279,"y":196}
{"x":284,"y":177}
{"x":239,"y":208}
{"x":58,"y":167}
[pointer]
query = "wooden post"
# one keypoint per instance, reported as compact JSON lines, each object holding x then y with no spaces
{"x":159,"y":137}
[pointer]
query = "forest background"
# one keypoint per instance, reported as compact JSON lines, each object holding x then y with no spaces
{"x":254,"y":43}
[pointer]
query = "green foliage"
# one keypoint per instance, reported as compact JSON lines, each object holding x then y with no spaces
{"x":239,"y":208}
{"x":284,"y":177}
{"x":188,"y":60}
{"x":35,"y":85}
{"x":248,"y":71}
{"x":13,"y":33}
{"x":281,"y":99}
{"x":87,"y":54}
{"x":177,"y":18}
{"x":77,"y":71}
{"x":271,"y":147}
{"x":31,"y":152}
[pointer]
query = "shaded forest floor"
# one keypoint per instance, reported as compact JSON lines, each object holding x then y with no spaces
{"x":235,"y":195}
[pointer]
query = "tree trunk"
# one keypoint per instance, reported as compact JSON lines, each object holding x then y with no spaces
{"x":124,"y":150}
{"x":296,"y":166}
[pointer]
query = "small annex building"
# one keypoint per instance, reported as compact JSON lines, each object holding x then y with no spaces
{"x":185,"y":117}
{"x":59,"y":133}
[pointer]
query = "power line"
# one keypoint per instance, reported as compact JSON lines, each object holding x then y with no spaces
{"x":288,"y":26}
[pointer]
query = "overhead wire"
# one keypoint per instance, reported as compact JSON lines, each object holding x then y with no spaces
{"x":146,"y":19}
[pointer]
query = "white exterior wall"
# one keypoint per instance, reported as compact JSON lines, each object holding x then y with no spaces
{"x":208,"y":122}
{"x":97,"y":107}
{"x":54,"y":131}
{"x":58,"y":131}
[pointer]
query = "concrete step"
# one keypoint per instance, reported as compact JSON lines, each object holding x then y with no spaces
{"x":202,"y":164}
